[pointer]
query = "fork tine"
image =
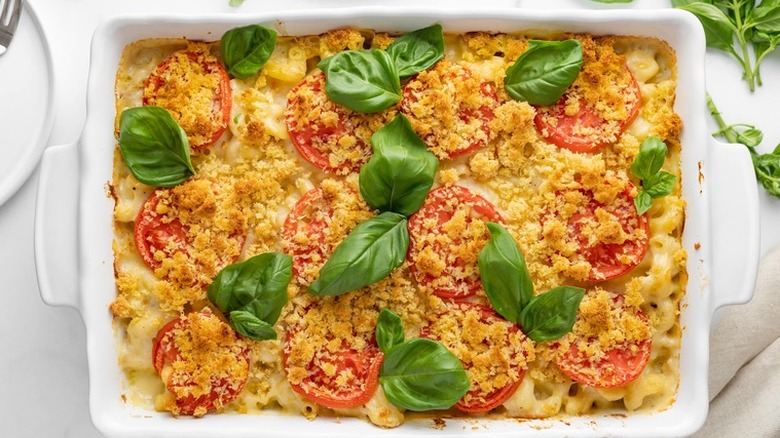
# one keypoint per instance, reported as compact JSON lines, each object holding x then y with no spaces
{"x":17,"y":12}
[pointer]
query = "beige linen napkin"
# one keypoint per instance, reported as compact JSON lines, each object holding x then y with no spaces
{"x":744,"y":377}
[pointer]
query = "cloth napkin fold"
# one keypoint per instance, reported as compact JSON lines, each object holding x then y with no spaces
{"x":744,"y":378}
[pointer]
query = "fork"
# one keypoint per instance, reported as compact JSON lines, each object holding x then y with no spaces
{"x":9,"y":18}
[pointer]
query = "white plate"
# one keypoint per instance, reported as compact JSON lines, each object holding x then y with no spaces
{"x":26,"y":101}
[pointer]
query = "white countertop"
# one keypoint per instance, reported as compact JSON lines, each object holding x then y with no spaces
{"x":43,"y":369}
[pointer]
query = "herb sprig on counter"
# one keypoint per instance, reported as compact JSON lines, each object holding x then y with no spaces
{"x":767,"y":165}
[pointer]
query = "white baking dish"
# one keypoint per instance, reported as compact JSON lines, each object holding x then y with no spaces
{"x":73,"y":245}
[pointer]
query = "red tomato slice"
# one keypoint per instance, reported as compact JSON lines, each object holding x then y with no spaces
{"x":459,"y":119}
{"x":201,"y":134}
{"x":586,"y":130}
{"x":152,"y":234}
{"x":326,"y":388}
{"x":319,"y":139}
{"x":475,"y":401}
{"x":609,"y":260}
{"x":165,"y":353}
{"x":618,"y":366}
{"x":459,"y":279}
{"x":310,"y":216}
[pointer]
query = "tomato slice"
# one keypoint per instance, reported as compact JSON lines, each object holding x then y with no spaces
{"x":607,"y":260}
{"x":444,"y":242}
{"x":491,"y":346}
{"x":450,"y":109}
{"x":344,"y":378}
{"x":153,"y":234}
{"x":310,"y":217}
{"x":329,"y":136}
{"x":586,"y":130}
{"x":616,"y":366}
{"x":195,"y":79}
{"x":195,"y":395}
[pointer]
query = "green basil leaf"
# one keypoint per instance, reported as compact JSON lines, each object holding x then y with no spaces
{"x":247,"y":49}
{"x":678,"y":3}
{"x":369,"y":253}
{"x":750,"y":137}
{"x":650,"y":158}
{"x":765,"y":18}
{"x":257,"y":285}
{"x":551,"y":315}
{"x":389,"y":330}
{"x":235,"y":3}
{"x":154,"y":146}
{"x":401,"y":172}
{"x":423,"y":375}
{"x":643,"y":202}
{"x":718,"y":28}
{"x":542,"y":73}
{"x":251,"y":326}
{"x":365,"y":81}
{"x":659,"y":185}
{"x":504,"y":274}
{"x":767,"y":168}
{"x":418,"y":50}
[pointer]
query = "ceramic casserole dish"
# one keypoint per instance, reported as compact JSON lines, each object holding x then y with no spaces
{"x":73,"y":229}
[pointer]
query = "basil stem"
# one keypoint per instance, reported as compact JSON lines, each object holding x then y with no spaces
{"x":369,"y":253}
{"x":389,"y":330}
{"x":552,"y":314}
{"x":365,"y":81}
{"x":417,"y":51}
{"x":154,"y":146}
{"x":401,"y":172}
{"x":247,"y":49}
{"x":542,"y":73}
{"x":422,"y":375}
{"x":504,"y":274}
{"x":256,"y":287}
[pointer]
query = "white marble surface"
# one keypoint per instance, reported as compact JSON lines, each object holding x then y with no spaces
{"x":43,"y":370}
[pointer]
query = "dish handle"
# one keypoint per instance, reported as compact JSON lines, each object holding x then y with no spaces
{"x":735,"y":224}
{"x":56,"y":226}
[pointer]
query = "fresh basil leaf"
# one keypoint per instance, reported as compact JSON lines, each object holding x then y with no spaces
{"x":765,"y":18}
{"x":418,"y":50}
{"x":678,"y":3}
{"x":542,"y":73}
{"x":247,"y":324}
{"x":257,"y":285}
{"x":246,"y":49}
{"x":552,"y":314}
{"x":423,"y":375}
{"x":750,"y":137}
{"x":659,"y":185}
{"x":369,"y":253}
{"x":650,"y":158}
{"x":154,"y":146}
{"x":643,"y":202}
{"x":389,"y":330}
{"x":401,"y":172}
{"x":767,"y":168}
{"x":235,"y":3}
{"x":718,"y":29}
{"x":504,"y":274}
{"x":365,"y":81}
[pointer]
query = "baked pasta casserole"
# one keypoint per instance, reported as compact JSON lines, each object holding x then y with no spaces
{"x":278,"y":167}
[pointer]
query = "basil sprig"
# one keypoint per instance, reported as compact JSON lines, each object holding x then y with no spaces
{"x":401,"y":172}
{"x":154,"y":146}
{"x":504,"y":274}
{"x":365,"y":81}
{"x":389,"y":330}
{"x":369,"y":81}
{"x":252,"y":293}
{"x":508,"y":286}
{"x":550,"y":315}
{"x":419,"y":374}
{"x":656,"y":183}
{"x":417,"y":51}
{"x":542,"y":73}
{"x":369,"y":253}
{"x":246,"y":49}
